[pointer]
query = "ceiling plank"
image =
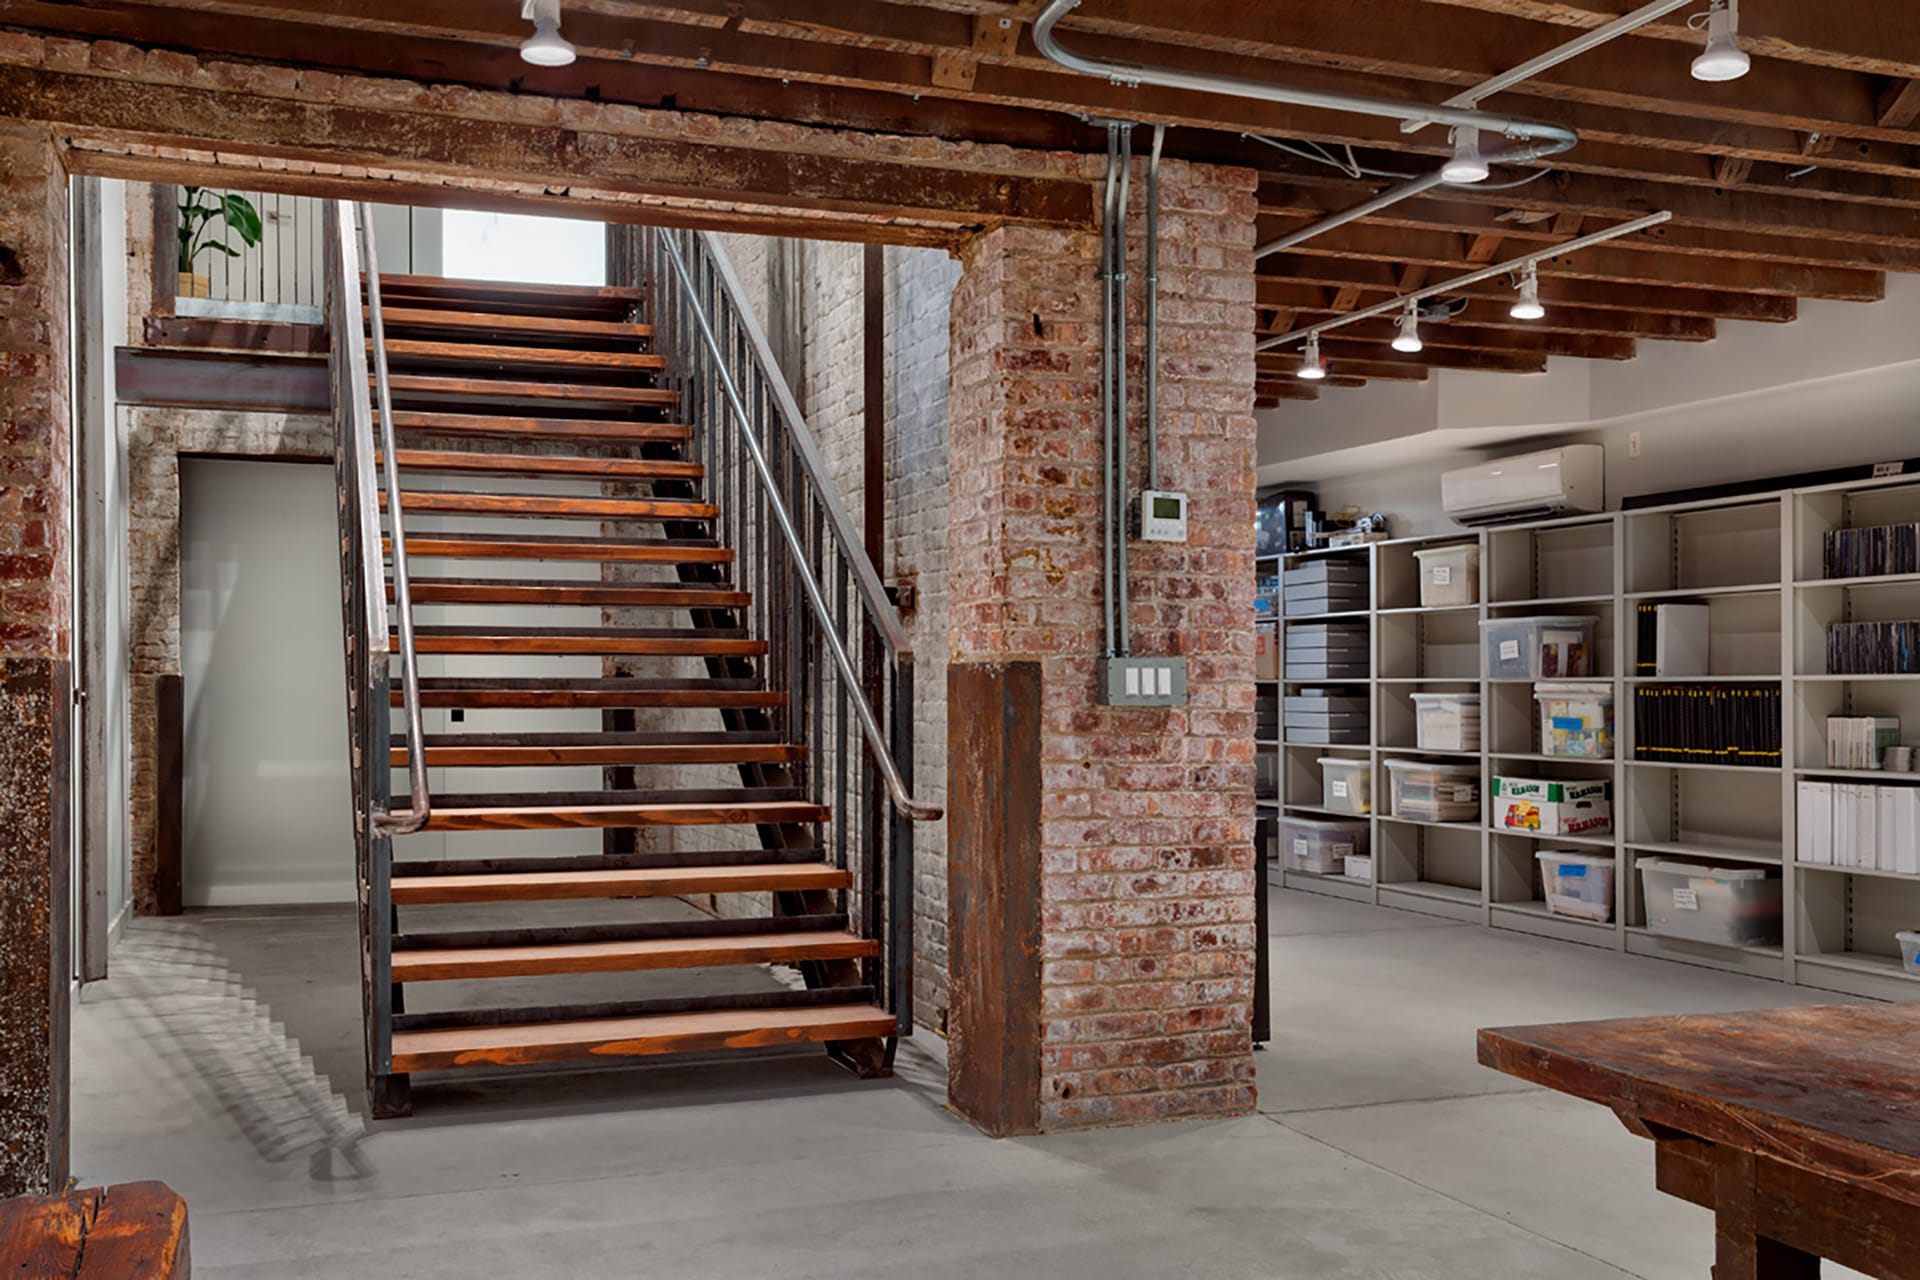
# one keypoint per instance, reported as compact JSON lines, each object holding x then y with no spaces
{"x":1899,"y":104}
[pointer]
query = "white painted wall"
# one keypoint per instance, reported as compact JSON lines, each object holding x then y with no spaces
{"x":268,"y":805}
{"x":112,"y":692}
{"x":517,"y":246}
{"x":1839,"y":386}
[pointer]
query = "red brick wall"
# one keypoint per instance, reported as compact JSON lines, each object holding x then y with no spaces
{"x":1147,"y":875}
{"x":34,"y":706}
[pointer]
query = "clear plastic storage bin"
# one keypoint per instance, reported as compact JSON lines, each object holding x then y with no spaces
{"x":1909,"y":951}
{"x":1731,"y":906}
{"x":1321,"y":846}
{"x":1577,"y":884}
{"x":1446,"y":721}
{"x":1346,"y":784}
{"x":1533,"y":648}
{"x":1449,"y":576}
{"x":1576,"y":719}
{"x":1435,"y":792}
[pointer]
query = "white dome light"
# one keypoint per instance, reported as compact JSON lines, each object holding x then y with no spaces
{"x":1467,"y":166}
{"x":1314,"y":368}
{"x":546,"y":47}
{"x":1723,"y":58}
{"x":1408,"y":339}
{"x":1527,"y":305}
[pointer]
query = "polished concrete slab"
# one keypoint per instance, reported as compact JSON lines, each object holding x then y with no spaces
{"x":1383,"y":1151}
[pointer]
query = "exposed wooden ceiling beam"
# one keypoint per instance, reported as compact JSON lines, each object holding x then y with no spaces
{"x":1458,"y":336}
{"x":1899,"y":104}
{"x":1352,"y":356}
{"x":1492,"y":313}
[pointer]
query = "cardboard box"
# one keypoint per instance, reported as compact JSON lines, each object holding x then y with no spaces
{"x":1552,"y":807}
{"x":1266,"y":654}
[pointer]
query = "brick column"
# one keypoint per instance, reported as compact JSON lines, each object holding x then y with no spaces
{"x":35,"y":598}
{"x":1101,"y":861}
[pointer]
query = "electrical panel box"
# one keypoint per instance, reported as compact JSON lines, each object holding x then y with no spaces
{"x":1143,"y":682}
{"x":1160,"y":516}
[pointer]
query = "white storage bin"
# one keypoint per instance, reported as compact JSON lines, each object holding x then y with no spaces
{"x":1360,"y":867}
{"x":1909,"y":950}
{"x":1346,"y":784}
{"x":1446,"y":721}
{"x":1435,"y":792}
{"x":1449,"y":576}
{"x":1577,"y":884}
{"x":1532,"y":648}
{"x":1321,"y":846}
{"x":1576,"y":719}
{"x":1553,"y":807}
{"x":1731,"y":906}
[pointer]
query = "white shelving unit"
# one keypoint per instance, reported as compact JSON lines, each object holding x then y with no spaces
{"x":1755,"y":561}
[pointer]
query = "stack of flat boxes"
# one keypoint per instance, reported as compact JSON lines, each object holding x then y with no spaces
{"x":1330,"y":651}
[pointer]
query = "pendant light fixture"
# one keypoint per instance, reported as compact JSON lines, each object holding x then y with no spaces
{"x":1723,"y":58}
{"x":1527,"y":305}
{"x":1313,"y":366}
{"x":1467,"y":166}
{"x":1408,"y":339}
{"x":546,"y":47}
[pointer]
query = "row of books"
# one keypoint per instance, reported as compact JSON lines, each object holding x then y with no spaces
{"x":1860,"y":742}
{"x":1873,"y":648}
{"x":1870,"y":552}
{"x":1858,"y":825}
{"x":1707,"y":724}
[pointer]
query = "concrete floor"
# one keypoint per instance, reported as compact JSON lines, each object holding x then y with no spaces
{"x":1382,"y":1150}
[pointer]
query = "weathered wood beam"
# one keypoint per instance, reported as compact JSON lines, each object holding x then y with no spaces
{"x":1304,"y":303}
{"x":1335,"y":273}
{"x":281,"y":129}
{"x":1459,"y":336}
{"x":1731,"y":171}
{"x":1899,"y":104}
{"x":1345,"y":353}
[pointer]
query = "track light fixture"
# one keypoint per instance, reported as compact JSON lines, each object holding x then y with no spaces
{"x":1467,"y":166}
{"x":546,"y":47}
{"x":1527,"y":305}
{"x":1723,"y":58}
{"x":1313,"y":366}
{"x":1408,"y":339}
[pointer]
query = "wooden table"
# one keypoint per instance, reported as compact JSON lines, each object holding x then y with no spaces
{"x":1799,"y":1128}
{"x":136,"y":1231}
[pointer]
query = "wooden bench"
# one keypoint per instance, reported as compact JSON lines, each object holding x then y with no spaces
{"x":1799,"y":1128}
{"x":136,"y":1231}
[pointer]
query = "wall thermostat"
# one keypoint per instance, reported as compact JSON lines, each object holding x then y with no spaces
{"x":1159,"y":516}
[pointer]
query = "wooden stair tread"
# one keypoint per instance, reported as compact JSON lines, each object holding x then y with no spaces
{"x":519,"y":591}
{"x":520,"y":464}
{"x":540,"y":504}
{"x":601,"y":1038}
{"x":560,"y":816}
{"x":466,"y":287}
{"x":520,"y":546}
{"x":403,"y":352}
{"x":644,"y":882}
{"x":535,"y":428}
{"x":407,"y":318}
{"x":521,"y":389}
{"x":534,"y":755}
{"x":533,"y":692}
{"x":441,"y":964}
{"x":642,"y":641}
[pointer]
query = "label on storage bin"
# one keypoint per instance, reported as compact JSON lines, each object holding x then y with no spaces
{"x":1466,"y":794}
{"x":1343,"y":850}
{"x":1571,"y":870}
{"x":1686,"y":900}
{"x":1443,"y":575}
{"x":1509,"y":650}
{"x":1572,"y":724}
{"x":1338,"y":790}
{"x":1300,"y":847}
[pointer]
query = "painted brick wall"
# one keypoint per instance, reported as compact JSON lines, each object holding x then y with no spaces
{"x":35,"y":596}
{"x":1147,"y":865}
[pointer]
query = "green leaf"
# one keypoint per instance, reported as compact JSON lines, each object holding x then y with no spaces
{"x":242,"y":217}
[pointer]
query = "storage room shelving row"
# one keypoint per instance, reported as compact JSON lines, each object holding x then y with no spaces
{"x":1756,"y":562}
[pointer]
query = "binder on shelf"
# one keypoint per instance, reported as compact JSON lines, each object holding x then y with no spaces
{"x":1671,"y":640}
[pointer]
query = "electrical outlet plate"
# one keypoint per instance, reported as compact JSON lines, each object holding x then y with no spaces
{"x":1143,"y":682}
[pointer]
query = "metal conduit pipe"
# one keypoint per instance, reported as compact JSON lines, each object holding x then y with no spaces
{"x":1153,"y":309}
{"x":1117,"y":530}
{"x":1106,"y":385}
{"x":1400,"y":301}
{"x":1131,"y":76}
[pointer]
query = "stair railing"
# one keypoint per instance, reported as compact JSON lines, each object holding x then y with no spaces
{"x":361,"y":480}
{"x":815,"y":592}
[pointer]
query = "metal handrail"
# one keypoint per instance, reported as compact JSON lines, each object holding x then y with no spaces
{"x":879,"y":607}
{"x":360,"y":227}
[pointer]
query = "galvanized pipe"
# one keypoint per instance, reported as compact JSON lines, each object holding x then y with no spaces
{"x":1106,"y":388}
{"x":1153,"y":309}
{"x":1123,"y":473}
{"x":1200,"y":82}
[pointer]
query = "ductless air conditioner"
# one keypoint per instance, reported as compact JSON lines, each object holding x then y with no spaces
{"x":1533,"y":486}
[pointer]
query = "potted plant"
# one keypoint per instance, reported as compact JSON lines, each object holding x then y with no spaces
{"x":206,"y":218}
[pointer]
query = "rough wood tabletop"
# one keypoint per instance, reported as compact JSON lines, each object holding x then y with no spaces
{"x":136,"y":1231}
{"x":1832,"y":1089}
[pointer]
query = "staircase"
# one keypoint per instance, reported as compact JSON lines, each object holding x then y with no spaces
{"x":598,"y":519}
